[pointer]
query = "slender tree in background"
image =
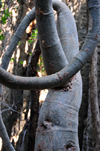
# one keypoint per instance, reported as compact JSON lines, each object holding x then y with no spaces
{"x":58,"y":120}
{"x":94,"y":102}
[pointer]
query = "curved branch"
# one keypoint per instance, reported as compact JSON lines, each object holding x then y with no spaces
{"x":16,"y":38}
{"x":54,"y":80}
{"x":5,"y":61}
{"x":66,"y":29}
{"x":3,"y":134}
{"x":53,"y":55}
{"x":17,"y":82}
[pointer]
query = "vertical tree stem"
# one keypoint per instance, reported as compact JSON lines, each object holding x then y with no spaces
{"x":94,"y":101}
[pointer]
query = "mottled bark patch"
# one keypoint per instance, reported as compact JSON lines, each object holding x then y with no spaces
{"x":70,"y":147}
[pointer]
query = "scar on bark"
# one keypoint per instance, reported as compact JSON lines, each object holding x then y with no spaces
{"x":47,"y":124}
{"x":70,"y":147}
{"x":96,"y":36}
{"x":45,"y":45}
{"x":67,"y":86}
{"x":39,"y":147}
{"x":40,"y":12}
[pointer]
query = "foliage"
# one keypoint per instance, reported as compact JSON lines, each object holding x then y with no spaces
{"x":4,"y":18}
{"x":19,"y":42}
{"x":21,"y":62}
{"x":12,"y":59}
{"x":1,"y":35}
{"x":34,"y":36}
{"x":40,"y":65}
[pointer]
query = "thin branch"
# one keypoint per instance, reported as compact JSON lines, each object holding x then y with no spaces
{"x":5,"y":137}
{"x":9,"y":108}
{"x":16,"y":38}
{"x":66,"y":29}
{"x":5,"y":61}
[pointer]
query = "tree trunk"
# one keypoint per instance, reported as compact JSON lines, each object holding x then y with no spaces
{"x":58,"y":120}
{"x":34,"y":97}
{"x":94,"y":102}
{"x":63,"y":102}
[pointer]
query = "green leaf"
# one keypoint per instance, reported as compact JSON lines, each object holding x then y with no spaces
{"x":12,"y":59}
{"x":33,"y":33}
{"x":19,"y":43}
{"x":7,"y":10}
{"x":2,"y":37}
{"x":41,"y":57}
{"x":36,"y":31}
{"x":41,"y":63}
{"x":33,"y":37}
{"x":3,"y":19}
{"x":43,"y":70}
{"x":3,"y":4}
{"x":30,"y":41}
{"x":21,"y":62}
{"x":30,"y":54}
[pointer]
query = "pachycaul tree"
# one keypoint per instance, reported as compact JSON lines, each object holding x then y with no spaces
{"x":58,"y":120}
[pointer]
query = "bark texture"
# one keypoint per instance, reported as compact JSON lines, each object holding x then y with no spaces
{"x":59,"y":113}
{"x":58,"y":78}
{"x":74,"y":66}
{"x":34,"y":97}
{"x":94,"y":102}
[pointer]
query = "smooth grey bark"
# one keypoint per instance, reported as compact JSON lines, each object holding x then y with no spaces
{"x":72,"y":68}
{"x":59,"y":113}
{"x":66,"y":27}
{"x":3,"y":134}
{"x":67,"y":72}
{"x":53,"y":55}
